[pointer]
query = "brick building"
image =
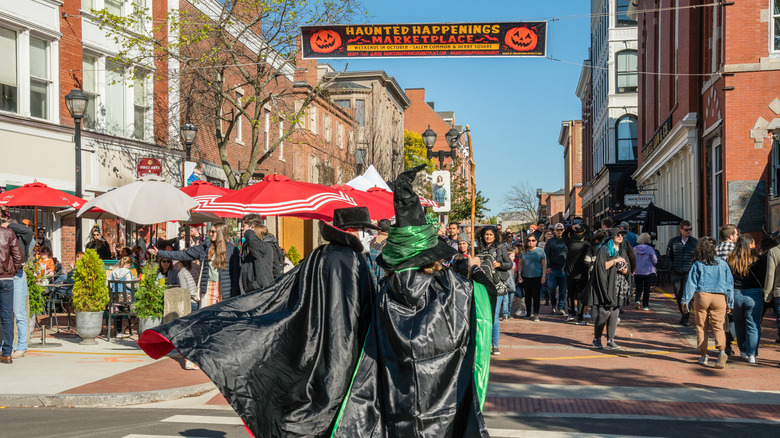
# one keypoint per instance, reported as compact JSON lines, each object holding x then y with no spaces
{"x":571,"y":140}
{"x":707,"y":148}
{"x":584,"y":92}
{"x":552,"y":206}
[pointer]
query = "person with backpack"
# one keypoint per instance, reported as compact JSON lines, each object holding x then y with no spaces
{"x":257,"y":255}
{"x":278,"y":257}
{"x":495,"y":258}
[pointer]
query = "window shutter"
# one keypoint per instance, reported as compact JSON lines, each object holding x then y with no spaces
{"x":8,"y":52}
{"x":38,"y":62}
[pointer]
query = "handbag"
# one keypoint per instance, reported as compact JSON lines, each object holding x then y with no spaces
{"x":623,"y":290}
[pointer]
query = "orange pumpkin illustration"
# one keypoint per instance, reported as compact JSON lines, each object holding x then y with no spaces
{"x":521,"y":39}
{"x":325,"y":41}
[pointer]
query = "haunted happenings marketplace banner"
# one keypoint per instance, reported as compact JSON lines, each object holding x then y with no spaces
{"x":414,"y":40}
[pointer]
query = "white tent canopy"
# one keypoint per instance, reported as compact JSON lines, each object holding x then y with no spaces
{"x":369,"y":179}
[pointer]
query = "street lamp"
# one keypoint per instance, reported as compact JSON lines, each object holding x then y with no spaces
{"x":429,"y":139}
{"x":77,"y":102}
{"x":188,"y":133}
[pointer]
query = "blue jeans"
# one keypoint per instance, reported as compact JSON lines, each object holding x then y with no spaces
{"x":499,"y":305}
{"x":557,"y":279}
{"x":748,"y":307}
{"x":20,"y":309}
{"x":7,"y":315}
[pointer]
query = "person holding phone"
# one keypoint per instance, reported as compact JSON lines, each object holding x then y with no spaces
{"x":610,"y":287}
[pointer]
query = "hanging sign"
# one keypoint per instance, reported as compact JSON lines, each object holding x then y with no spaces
{"x":424,"y":40}
{"x":149,"y":166}
{"x":441,"y":190}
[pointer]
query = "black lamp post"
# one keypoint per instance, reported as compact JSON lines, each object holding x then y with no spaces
{"x":429,"y":139}
{"x":188,"y":133}
{"x":77,"y":102}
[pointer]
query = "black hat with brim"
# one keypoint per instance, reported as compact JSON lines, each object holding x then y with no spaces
{"x":410,"y":218}
{"x":352,"y":217}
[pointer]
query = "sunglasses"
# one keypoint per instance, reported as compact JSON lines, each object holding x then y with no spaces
{"x":165,"y":261}
{"x":686,"y":229}
{"x":532,"y":240}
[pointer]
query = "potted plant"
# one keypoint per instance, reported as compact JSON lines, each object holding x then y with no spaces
{"x":90,"y":296}
{"x":36,"y":292}
{"x":294,"y":255}
{"x":149,"y":299}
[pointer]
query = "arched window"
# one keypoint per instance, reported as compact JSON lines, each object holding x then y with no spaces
{"x":626,"y":138}
{"x":626,"y":71}
{"x":622,"y":14}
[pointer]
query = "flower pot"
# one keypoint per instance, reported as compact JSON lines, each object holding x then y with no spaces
{"x":147,"y":323}
{"x":89,"y":325}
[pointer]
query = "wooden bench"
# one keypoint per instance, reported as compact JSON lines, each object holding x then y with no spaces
{"x":121,"y":303}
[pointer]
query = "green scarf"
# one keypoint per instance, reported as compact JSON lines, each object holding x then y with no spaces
{"x":404,"y":243}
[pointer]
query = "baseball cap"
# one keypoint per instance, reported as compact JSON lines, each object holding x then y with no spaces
{"x":624,"y":224}
{"x":559,"y":226}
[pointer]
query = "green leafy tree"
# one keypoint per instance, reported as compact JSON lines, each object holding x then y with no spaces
{"x":415,"y":152}
{"x":150,"y":294}
{"x":234,"y":65}
{"x":90,"y":291}
{"x":491,"y":220}
{"x":35,"y":290}
{"x":460,"y":206}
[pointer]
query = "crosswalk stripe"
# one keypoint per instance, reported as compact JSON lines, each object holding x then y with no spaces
{"x":200,"y":419}
{"x":135,"y":435}
{"x":511,"y":433}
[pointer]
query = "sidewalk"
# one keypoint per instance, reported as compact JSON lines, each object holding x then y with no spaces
{"x":545,"y":368}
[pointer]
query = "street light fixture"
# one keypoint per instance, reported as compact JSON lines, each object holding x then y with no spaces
{"x":188,"y":133}
{"x":429,"y":138}
{"x":77,"y":102}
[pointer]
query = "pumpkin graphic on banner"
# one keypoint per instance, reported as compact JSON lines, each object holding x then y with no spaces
{"x":521,"y":39}
{"x":325,"y":41}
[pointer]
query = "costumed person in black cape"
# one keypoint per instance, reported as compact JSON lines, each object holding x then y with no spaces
{"x":321,"y":353}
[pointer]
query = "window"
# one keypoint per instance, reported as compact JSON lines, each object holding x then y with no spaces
{"x":267,"y":130}
{"x":327,"y":128}
{"x":39,"y":78}
{"x":90,"y":67}
{"x":622,"y":14}
{"x":115,"y":99}
{"x":340,"y":135}
{"x":360,"y":112}
{"x":776,"y":24}
{"x":239,"y":124}
{"x":281,"y":135}
{"x":8,"y":71}
{"x":313,"y":120}
{"x":139,"y":106}
{"x":626,"y":71}
{"x":114,"y":7}
{"x":139,"y":11}
{"x":344,"y":103}
{"x":626,"y":138}
{"x":87,"y":5}
{"x":717,"y":185}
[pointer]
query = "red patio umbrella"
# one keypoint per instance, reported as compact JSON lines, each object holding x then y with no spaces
{"x":278,"y":195}
{"x":37,"y":195}
{"x":204,"y":192}
{"x":379,"y":207}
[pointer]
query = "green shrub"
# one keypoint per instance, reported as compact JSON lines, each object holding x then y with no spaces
{"x":35,"y":291}
{"x":294,"y":255}
{"x":150,"y":294}
{"x":90,"y":291}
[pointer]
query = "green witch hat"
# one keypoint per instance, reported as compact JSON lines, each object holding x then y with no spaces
{"x":411,"y":242}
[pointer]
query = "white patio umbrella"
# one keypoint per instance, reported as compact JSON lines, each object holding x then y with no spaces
{"x":149,"y":200}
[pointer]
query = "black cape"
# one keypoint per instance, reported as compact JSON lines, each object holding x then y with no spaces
{"x":601,"y":289}
{"x":286,"y":358}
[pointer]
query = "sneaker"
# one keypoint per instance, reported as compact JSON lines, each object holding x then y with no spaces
{"x":536,"y":318}
{"x":582,"y":322}
{"x":684,"y":322}
{"x":637,"y":306}
{"x":597,"y":344}
{"x":570,"y":318}
{"x":190,"y":366}
{"x":703,"y":360}
{"x":611,"y":345}
{"x":743,"y":355}
{"x":495,"y":351}
{"x":19,"y":353}
{"x":554,"y":310}
{"x":122,"y":335}
{"x":751,"y":359}
{"x":503,"y":318}
{"x":722,"y":358}
{"x":645,"y":308}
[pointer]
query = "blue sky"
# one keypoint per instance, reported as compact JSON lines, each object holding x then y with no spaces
{"x":514,"y":107}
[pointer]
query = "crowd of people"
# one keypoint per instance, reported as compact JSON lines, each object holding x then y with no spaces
{"x":582,"y":273}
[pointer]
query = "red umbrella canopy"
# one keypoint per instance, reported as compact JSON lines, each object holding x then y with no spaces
{"x":39,"y":195}
{"x":277,"y":195}
{"x":204,"y":192}
{"x":379,"y":207}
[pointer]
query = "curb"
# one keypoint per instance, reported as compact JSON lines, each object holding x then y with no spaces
{"x":103,"y":400}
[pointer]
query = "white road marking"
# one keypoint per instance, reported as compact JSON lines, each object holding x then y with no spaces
{"x":511,"y":433}
{"x":202,"y":419}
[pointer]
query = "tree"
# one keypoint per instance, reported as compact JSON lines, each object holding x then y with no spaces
{"x":415,"y":152}
{"x":522,"y":199}
{"x":235,"y":66}
{"x":460,"y":206}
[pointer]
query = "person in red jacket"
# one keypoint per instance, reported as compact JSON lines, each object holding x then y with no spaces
{"x":10,"y":263}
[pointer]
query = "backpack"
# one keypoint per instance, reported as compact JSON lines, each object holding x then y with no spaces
{"x":487,"y":260}
{"x":277,"y":268}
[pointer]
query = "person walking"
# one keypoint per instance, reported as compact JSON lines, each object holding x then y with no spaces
{"x":680,"y":251}
{"x":257,"y":255}
{"x":711,"y":287}
{"x":772,"y":283}
{"x":531,"y":275}
{"x":544,"y":236}
{"x":489,"y":249}
{"x":453,"y":233}
{"x":646,"y":275}
{"x":728,"y":237}
{"x":10,"y":263}
{"x":609,"y":288}
{"x":749,"y":271}
{"x":631,"y":238}
{"x":24,"y":236}
{"x":555,"y":250}
{"x":584,"y":299}
{"x":577,"y":245}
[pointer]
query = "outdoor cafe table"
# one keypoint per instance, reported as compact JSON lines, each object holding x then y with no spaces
{"x":52,"y":300}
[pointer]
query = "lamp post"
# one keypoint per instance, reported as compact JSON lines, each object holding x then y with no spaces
{"x":429,"y":139}
{"x":188,"y":133}
{"x":77,"y":102}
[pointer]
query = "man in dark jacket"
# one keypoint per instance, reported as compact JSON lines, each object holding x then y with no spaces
{"x":24,"y":235}
{"x":277,"y":255}
{"x":680,"y":252}
{"x":10,"y":263}
{"x":256,"y":255}
{"x":555,"y":250}
{"x":577,"y":245}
